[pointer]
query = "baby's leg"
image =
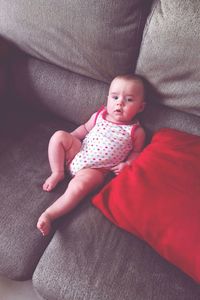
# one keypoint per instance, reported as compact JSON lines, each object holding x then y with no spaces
{"x":85,"y":181}
{"x":62,"y":146}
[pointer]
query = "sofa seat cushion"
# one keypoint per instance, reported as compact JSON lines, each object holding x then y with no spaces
{"x":169,"y":54}
{"x":24,"y":167}
{"x":91,"y":259}
{"x":157,"y":198}
{"x":99,"y":39}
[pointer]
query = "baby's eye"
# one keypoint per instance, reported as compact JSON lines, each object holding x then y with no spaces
{"x":129,"y":99}
{"x":115,"y":97}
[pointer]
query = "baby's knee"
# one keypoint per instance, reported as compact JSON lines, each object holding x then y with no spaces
{"x":87,"y":179}
{"x":60,"y":135}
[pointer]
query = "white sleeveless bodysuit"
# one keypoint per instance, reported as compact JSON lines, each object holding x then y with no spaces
{"x":106,"y":145}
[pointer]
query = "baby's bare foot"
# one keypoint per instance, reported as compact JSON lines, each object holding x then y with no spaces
{"x":44,"y":224}
{"x":51,"y":182}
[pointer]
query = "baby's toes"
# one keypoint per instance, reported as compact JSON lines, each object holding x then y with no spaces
{"x":45,"y":186}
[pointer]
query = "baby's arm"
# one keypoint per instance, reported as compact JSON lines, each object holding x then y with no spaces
{"x":81,"y":131}
{"x":139,"y":140}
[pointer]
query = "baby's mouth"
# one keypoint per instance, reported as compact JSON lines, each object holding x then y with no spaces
{"x":118,"y":110}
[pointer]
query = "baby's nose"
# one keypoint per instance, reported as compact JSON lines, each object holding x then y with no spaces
{"x":120,"y":100}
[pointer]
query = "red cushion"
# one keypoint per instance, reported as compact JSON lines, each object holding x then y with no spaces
{"x":157,"y":198}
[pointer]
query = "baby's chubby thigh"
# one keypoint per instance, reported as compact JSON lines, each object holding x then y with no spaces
{"x":88,"y":179}
{"x":74,"y":148}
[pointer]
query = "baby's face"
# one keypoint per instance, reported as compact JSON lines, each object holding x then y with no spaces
{"x":125,"y":100}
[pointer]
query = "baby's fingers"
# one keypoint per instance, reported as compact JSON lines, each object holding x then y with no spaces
{"x":115,"y":170}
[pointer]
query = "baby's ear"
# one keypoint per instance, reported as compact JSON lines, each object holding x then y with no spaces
{"x":142,"y":107}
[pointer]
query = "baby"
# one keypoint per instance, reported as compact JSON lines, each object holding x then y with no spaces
{"x":111,"y":139}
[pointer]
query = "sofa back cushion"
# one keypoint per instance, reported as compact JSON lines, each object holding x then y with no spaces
{"x":99,"y":39}
{"x":169,"y":55}
{"x":66,"y":94}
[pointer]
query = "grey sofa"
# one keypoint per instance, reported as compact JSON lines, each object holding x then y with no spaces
{"x":57,"y":59}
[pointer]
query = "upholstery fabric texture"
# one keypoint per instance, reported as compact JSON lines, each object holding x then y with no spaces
{"x":71,"y":51}
{"x":168,"y":56}
{"x":64,"y":93}
{"x":2,"y":81}
{"x":78,"y":40}
{"x":157,"y":198}
{"x":24,"y":167}
{"x":112,"y":264}
{"x":74,"y":97}
{"x":3,"y":69}
{"x":156,"y":116}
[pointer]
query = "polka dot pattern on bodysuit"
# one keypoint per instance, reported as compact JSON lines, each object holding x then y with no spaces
{"x":105,"y":146}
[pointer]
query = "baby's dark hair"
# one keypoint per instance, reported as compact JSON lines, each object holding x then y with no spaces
{"x":134,"y":77}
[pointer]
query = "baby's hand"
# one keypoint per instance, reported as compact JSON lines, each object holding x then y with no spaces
{"x":118,"y":168}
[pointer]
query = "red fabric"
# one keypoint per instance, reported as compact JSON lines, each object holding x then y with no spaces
{"x":157,"y":198}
